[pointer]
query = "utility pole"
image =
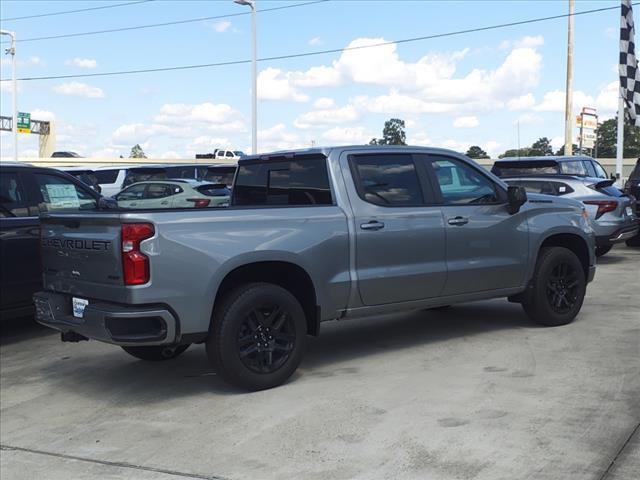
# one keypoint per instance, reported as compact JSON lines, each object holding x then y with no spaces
{"x":568,"y":104}
{"x":254,"y":74}
{"x":14,"y":113}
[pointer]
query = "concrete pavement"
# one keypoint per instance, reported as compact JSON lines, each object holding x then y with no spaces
{"x":473,"y":392}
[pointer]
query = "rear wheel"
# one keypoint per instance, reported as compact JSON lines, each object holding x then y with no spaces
{"x":558,"y":288}
{"x":634,"y":241}
{"x":156,"y":353}
{"x":600,"y":251}
{"x":258,"y":336}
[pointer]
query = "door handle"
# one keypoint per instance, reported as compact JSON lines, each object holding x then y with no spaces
{"x":459,"y":221}
{"x":372,"y":225}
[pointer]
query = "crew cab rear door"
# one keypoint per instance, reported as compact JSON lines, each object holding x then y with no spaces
{"x":400,"y":241}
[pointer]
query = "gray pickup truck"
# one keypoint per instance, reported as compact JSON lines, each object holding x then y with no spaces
{"x":311,"y":235}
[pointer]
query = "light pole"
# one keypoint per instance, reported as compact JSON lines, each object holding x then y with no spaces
{"x":14,"y":122}
{"x":568,"y":105}
{"x":254,"y":75}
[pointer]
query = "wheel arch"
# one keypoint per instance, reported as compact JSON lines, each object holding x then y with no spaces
{"x":571,"y":241}
{"x":284,"y":273}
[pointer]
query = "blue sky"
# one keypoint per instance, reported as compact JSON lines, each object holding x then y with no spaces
{"x":454,"y":91}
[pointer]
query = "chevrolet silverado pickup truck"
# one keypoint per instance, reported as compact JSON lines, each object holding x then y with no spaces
{"x":310,"y":236}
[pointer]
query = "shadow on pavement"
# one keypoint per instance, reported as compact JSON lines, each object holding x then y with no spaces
{"x":20,"y":329}
{"x":611,"y":258}
{"x":339,"y":341}
{"x":111,"y":373}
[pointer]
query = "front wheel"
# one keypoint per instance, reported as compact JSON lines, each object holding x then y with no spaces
{"x":258,"y":336}
{"x":156,"y":353}
{"x":600,"y":251}
{"x":558,"y":287}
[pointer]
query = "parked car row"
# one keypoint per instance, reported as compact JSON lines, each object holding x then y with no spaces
{"x":613,"y":212}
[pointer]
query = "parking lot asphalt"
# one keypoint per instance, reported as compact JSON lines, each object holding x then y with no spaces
{"x":473,"y":392}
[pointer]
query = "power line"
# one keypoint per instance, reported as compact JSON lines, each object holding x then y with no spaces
{"x":51,"y":14}
{"x":320,"y":52}
{"x":164,"y":24}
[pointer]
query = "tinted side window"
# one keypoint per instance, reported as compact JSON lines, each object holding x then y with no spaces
{"x":186,"y":171}
{"x":106,"y":176}
{"x":59,"y":194}
{"x":387,"y":179}
{"x":461,"y":184}
{"x":134,"y":192}
{"x":13,"y":200}
{"x":574,"y":168}
{"x":297,"y":182}
{"x":600,"y":172}
{"x":589,"y":168}
{"x":159,"y":190}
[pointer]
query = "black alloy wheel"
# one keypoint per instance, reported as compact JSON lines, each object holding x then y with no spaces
{"x":562,"y":288}
{"x":266,"y":338}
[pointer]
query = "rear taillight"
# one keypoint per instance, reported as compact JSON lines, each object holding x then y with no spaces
{"x":604,"y":206}
{"x":199,"y":202}
{"x":135,"y":264}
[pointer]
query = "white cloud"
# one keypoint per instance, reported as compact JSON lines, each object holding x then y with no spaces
{"x":607,"y":100}
{"x":43,"y":115}
{"x":274,"y":85}
{"x":554,"y":101}
{"x":180,"y":116}
{"x":528,"y":119}
{"x":491,"y":147}
{"x":522,"y":102}
{"x":556,"y":143}
{"x":138,"y":133}
{"x":466,"y":122}
{"x":221,"y":26}
{"x":419,"y":138}
{"x":278,"y":138}
{"x":29,"y":62}
{"x":324,"y":102}
{"x":79,"y":89}
{"x":82,"y":62}
{"x":530,"y":42}
{"x":330,"y":116}
{"x":316,"y":41}
{"x":348,"y":135}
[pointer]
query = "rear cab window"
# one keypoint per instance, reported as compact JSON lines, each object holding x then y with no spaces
{"x":574,"y":167}
{"x":517,"y":168}
{"x":106,"y":176}
{"x":13,"y":197}
{"x":58,"y":194}
{"x":301,"y":181}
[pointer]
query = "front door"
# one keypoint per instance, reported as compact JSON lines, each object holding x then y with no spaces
{"x":400,"y":240}
{"x":487,"y":248}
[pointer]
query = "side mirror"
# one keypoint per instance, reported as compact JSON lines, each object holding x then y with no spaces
{"x":517,"y":196}
{"x":106,"y":203}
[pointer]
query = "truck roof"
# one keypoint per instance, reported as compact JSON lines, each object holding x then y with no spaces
{"x":327,"y":150}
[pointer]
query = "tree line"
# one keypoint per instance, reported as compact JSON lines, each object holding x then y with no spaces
{"x":394,"y":133}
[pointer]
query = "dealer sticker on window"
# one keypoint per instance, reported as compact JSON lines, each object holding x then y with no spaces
{"x":629,"y":211}
{"x":79,"y":305}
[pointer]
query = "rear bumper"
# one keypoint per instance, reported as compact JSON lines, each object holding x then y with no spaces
{"x":108,"y":322}
{"x":618,"y":236}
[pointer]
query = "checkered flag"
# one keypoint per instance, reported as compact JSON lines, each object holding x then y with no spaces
{"x":628,"y":68}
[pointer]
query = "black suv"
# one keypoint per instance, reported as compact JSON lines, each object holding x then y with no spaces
{"x":25,"y":192}
{"x":632,"y":187}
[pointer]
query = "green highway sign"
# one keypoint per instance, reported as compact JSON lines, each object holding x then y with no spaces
{"x":24,"y":122}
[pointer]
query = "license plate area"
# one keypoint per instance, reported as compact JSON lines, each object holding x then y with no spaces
{"x":78,"y":305}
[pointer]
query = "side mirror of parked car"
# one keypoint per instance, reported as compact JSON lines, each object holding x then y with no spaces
{"x":517,"y":196}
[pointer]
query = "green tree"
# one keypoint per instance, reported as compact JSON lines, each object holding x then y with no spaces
{"x":392,"y":134}
{"x":523,"y":152}
{"x":607,"y":135}
{"x":476,"y":152}
{"x":542,"y":146}
{"x":137,"y":152}
{"x":574,"y":149}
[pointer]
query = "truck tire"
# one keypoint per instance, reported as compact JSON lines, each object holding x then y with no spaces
{"x":156,"y":353}
{"x":557,"y":288}
{"x":258,"y":336}
{"x":600,"y":251}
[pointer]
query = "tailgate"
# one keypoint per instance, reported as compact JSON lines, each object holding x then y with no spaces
{"x":81,"y":253}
